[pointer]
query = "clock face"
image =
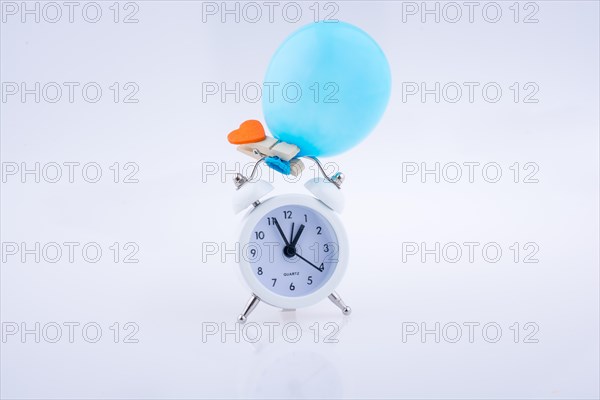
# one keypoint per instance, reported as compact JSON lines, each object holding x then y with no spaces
{"x":293,"y":250}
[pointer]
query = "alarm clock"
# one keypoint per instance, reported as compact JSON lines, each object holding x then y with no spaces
{"x":293,"y":247}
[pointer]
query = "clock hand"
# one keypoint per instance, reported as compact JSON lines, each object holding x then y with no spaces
{"x":302,"y":258}
{"x":293,"y":244}
{"x":281,"y":232}
{"x":292,"y":235}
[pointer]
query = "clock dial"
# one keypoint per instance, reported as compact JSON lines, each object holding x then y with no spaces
{"x":293,"y":250}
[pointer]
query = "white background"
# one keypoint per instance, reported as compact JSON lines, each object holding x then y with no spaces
{"x":177,"y":208}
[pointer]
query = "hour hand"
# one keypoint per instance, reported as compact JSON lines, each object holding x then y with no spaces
{"x":281,"y":232}
{"x":295,"y":240}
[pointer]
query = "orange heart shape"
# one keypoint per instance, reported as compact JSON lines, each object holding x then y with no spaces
{"x":250,"y":131}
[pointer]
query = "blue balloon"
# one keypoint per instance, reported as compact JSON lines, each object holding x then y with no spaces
{"x":326,"y":88}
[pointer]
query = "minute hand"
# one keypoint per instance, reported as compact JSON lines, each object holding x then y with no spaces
{"x":302,"y":258}
{"x":295,"y":240}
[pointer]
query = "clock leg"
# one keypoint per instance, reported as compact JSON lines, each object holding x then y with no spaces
{"x":250,"y":306}
{"x":337,"y":300}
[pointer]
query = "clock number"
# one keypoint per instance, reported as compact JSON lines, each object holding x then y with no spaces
{"x":332,"y":254}
{"x":274,"y":281}
{"x":310,"y":279}
{"x":305,"y":218}
{"x":270,"y":221}
{"x":260,"y":271}
{"x":326,"y":248}
{"x":260,"y":235}
{"x":287,"y":214}
{"x":322,"y":267}
{"x":319,"y":230}
{"x":292,"y":287}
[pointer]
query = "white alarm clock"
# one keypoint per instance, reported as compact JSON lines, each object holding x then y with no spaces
{"x":293,"y":247}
